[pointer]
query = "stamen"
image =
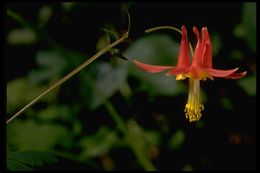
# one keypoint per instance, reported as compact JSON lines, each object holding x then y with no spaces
{"x":194,"y":106}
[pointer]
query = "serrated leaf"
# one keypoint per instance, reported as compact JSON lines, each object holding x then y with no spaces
{"x":14,"y":165}
{"x":28,"y":159}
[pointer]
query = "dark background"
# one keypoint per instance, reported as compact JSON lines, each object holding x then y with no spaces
{"x":224,"y":140}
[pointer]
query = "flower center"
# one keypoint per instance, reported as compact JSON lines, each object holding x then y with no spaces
{"x":194,"y":106}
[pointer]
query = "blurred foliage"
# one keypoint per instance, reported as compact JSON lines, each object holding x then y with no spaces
{"x":75,"y":120}
{"x":247,"y":28}
{"x":27,"y":161}
{"x":177,"y":140}
{"x":155,"y":49}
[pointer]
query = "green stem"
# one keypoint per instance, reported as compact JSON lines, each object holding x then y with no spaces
{"x":65,"y":78}
{"x":141,"y":156}
{"x":139,"y":153}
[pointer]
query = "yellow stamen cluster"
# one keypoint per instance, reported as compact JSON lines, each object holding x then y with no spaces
{"x":194,"y":106}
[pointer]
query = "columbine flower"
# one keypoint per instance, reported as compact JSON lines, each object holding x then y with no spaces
{"x":200,"y":69}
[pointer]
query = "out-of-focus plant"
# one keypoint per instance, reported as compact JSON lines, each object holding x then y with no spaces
{"x":71,"y":122}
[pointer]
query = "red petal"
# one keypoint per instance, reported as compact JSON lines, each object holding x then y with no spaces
{"x":237,"y":75}
{"x":207,"y":49}
{"x":151,"y":68}
{"x":178,"y":70}
{"x":184,"y":57}
{"x":222,"y":73}
{"x":197,"y":57}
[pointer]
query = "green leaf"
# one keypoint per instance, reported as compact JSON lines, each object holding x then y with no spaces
{"x":177,"y":140}
{"x":107,"y":79}
{"x":24,"y":36}
{"x":14,"y":165}
{"x":51,"y":64}
{"x":141,"y":136}
{"x":29,"y":135}
{"x":18,"y":161}
{"x":247,"y":28}
{"x":249,"y":23}
{"x":98,"y":144}
{"x":20,"y":92}
{"x":187,"y":167}
{"x":54,"y":112}
{"x":67,"y":6}
{"x":45,"y":13}
{"x":51,"y":59}
{"x":226,"y":103}
{"x":157,"y":49}
{"x":248,"y":84}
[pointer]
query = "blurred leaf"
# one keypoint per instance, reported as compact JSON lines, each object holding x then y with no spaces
{"x":45,"y":13}
{"x":23,"y":36}
{"x":51,"y":65}
{"x":177,"y":140}
{"x":50,"y":59}
{"x":226,"y":103}
{"x":54,"y":112}
{"x":109,"y":80}
{"x":67,"y":6}
{"x":247,"y":28}
{"x":14,"y":165}
{"x":142,"y":136}
{"x":157,"y":49}
{"x":77,"y":127}
{"x":217,"y":44}
{"x":249,"y":22}
{"x":236,"y":54}
{"x":22,"y":161}
{"x":19,"y":93}
{"x":248,"y":84}
{"x":146,"y":141}
{"x":28,"y":135}
{"x":200,"y":124}
{"x":187,"y":167}
{"x":98,"y":144}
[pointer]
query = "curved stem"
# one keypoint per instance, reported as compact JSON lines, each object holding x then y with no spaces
{"x":141,"y":157}
{"x":65,"y":78}
{"x":168,"y":27}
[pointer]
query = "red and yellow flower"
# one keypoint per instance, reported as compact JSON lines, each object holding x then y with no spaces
{"x":199,"y":69}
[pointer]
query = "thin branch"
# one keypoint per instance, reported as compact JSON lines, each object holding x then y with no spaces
{"x":68,"y":76}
